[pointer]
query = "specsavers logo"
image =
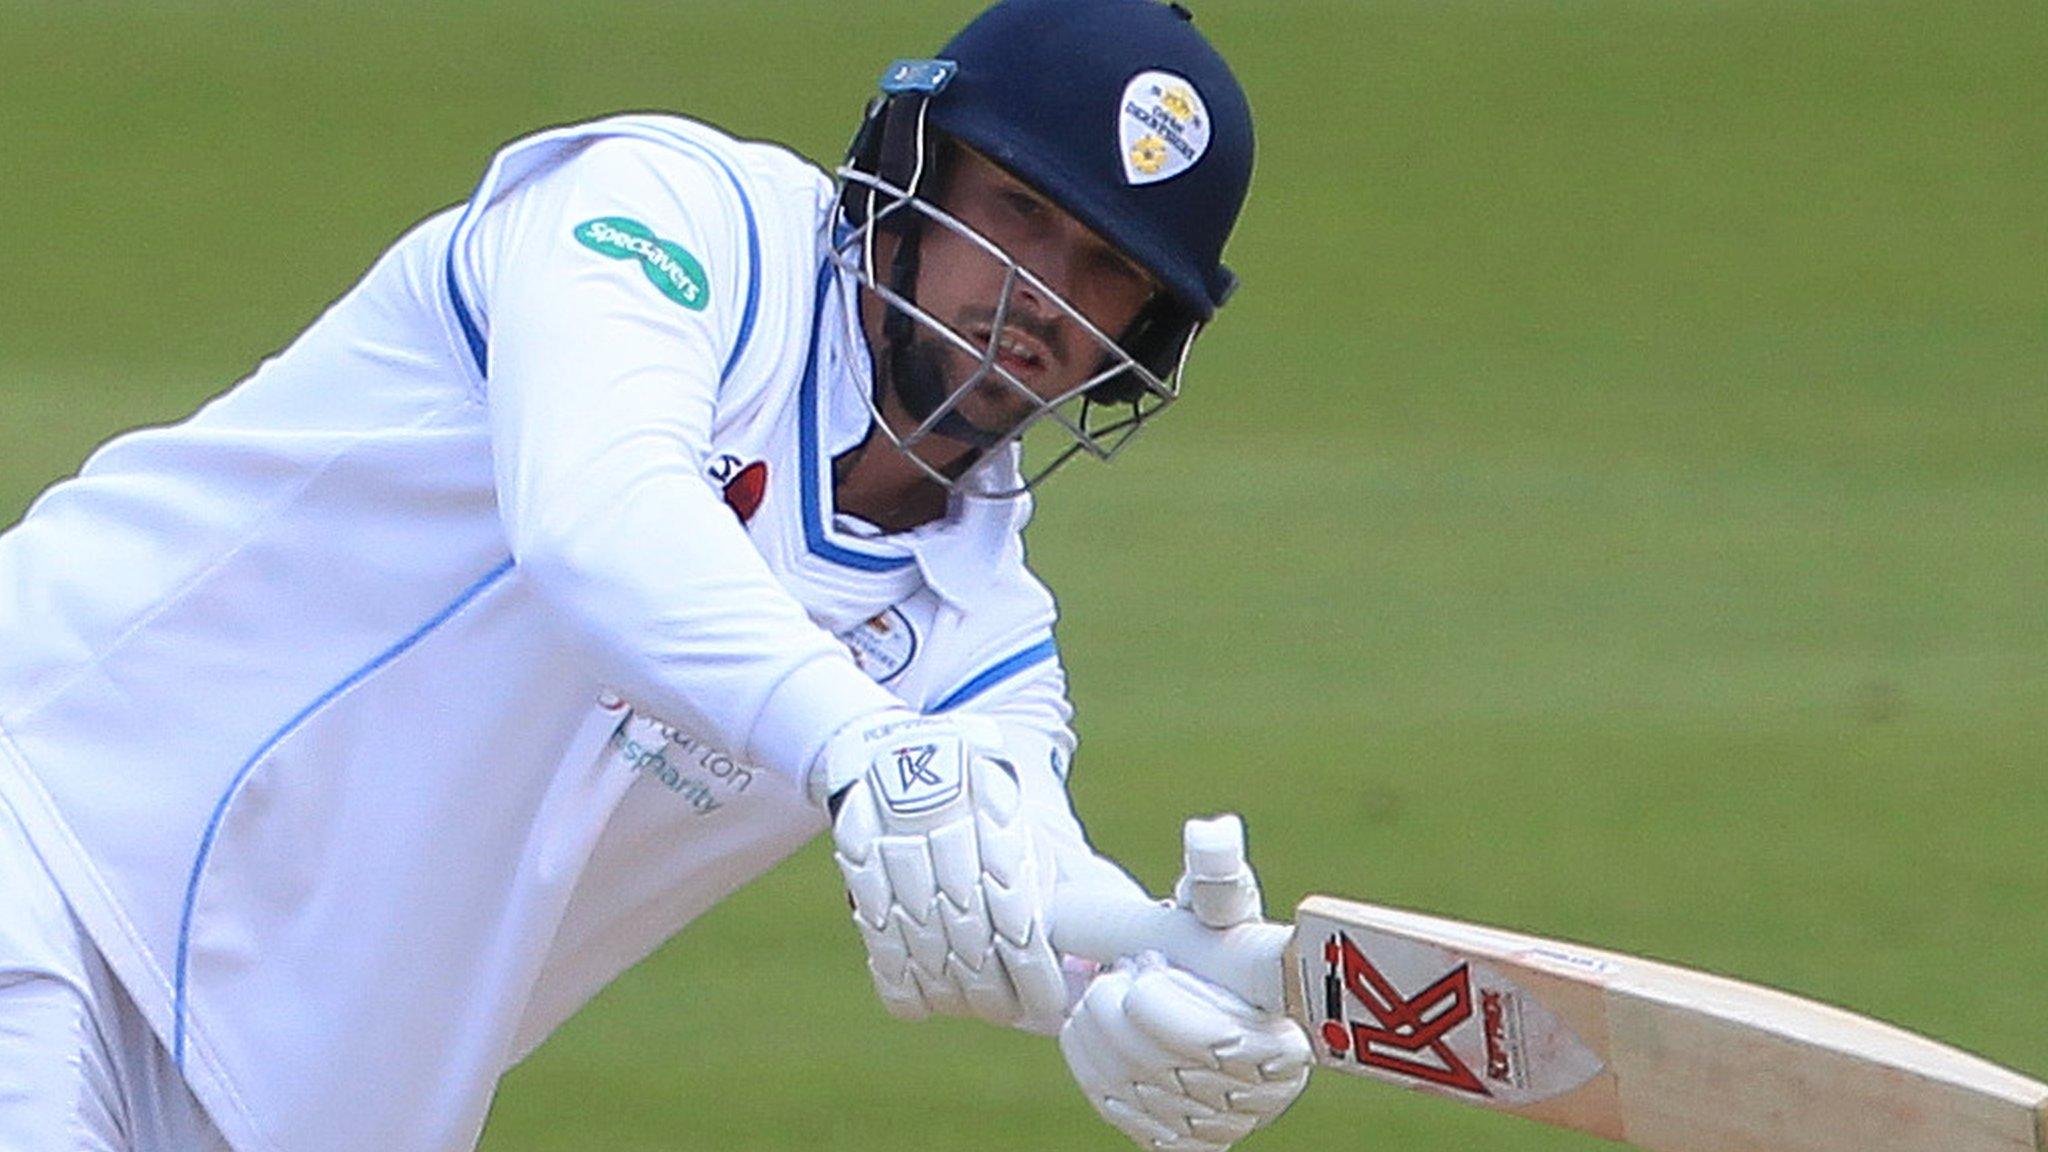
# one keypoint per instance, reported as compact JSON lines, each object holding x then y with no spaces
{"x":1162,"y":128}
{"x":669,"y":266}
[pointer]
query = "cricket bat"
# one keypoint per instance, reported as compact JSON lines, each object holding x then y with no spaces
{"x":1648,"y":1054}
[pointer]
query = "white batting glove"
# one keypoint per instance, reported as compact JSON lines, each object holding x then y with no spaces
{"x":1171,"y":1060}
{"x":947,"y":878}
{"x":1178,"y":1064}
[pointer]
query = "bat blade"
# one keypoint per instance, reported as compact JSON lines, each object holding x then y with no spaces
{"x":1656,"y":1056}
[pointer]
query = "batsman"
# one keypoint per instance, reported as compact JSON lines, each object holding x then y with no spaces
{"x":649,"y":513}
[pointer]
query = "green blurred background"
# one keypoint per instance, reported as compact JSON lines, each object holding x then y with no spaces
{"x":1615,"y":506}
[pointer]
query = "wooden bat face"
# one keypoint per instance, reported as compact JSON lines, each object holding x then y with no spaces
{"x":1652,"y":1055}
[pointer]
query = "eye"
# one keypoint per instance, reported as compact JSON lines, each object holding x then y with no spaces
{"x":1023,"y":204}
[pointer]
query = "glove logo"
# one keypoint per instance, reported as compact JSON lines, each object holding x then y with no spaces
{"x":917,"y":778}
{"x":914,"y":765}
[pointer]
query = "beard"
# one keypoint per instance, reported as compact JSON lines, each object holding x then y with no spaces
{"x":922,"y":380}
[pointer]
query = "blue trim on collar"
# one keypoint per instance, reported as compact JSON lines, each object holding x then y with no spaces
{"x":179,"y":980}
{"x":478,"y":351}
{"x":996,"y":673}
{"x":810,"y":452}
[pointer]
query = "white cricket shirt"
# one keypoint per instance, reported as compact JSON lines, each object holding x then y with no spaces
{"x":312,"y":702}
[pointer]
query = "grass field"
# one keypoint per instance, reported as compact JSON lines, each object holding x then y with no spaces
{"x":1616,"y":506}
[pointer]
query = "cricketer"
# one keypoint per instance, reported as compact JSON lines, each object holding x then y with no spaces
{"x":649,"y":513}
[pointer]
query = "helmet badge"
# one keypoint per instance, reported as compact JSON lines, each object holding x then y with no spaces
{"x":1162,"y":129}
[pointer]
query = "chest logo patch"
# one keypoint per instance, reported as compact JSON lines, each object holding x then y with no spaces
{"x":744,"y":491}
{"x":669,"y":266}
{"x":1162,"y":129}
{"x":743,"y":484}
{"x":882,"y":646}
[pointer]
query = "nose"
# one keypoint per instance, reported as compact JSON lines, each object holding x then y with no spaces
{"x":1027,"y":299}
{"x":1054,"y":261}
{"x":1031,"y":313}
{"x":1060,"y":264}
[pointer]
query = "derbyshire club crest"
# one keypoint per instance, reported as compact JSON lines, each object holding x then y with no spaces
{"x":882,"y":645}
{"x":1162,"y":128}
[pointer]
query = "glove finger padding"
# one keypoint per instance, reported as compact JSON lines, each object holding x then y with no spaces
{"x":1102,"y":1047}
{"x":945,"y":877}
{"x":1173,"y":1009}
{"x":1178,"y":1064}
{"x":1184,"y":1013}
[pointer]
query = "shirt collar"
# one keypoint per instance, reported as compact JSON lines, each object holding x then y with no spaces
{"x":958,"y":553}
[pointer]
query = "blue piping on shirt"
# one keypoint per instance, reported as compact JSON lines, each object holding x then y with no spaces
{"x":478,"y":351}
{"x":753,"y":304}
{"x":996,"y":673}
{"x":220,"y":808}
{"x":809,"y":450}
{"x":748,"y":312}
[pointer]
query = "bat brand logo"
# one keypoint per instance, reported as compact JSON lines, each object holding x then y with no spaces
{"x":1408,"y":1035}
{"x":1416,"y":1002}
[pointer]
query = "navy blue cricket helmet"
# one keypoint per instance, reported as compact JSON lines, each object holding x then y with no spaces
{"x":1118,"y":111}
{"x":1078,"y":98}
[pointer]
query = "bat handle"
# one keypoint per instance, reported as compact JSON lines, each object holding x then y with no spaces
{"x":1105,"y":925}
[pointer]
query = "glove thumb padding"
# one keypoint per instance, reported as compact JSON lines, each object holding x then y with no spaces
{"x":1217,"y":882}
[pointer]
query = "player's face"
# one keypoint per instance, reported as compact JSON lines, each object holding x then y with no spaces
{"x":1041,"y":345}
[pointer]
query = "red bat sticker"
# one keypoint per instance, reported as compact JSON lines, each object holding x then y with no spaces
{"x":1404,"y":1027}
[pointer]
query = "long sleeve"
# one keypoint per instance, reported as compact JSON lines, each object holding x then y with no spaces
{"x":612,"y":287}
{"x":1032,"y":712}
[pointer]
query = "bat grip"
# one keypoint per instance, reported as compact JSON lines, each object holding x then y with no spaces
{"x":1105,"y":925}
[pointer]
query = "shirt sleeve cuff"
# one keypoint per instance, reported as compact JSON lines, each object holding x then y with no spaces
{"x":806,"y":708}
